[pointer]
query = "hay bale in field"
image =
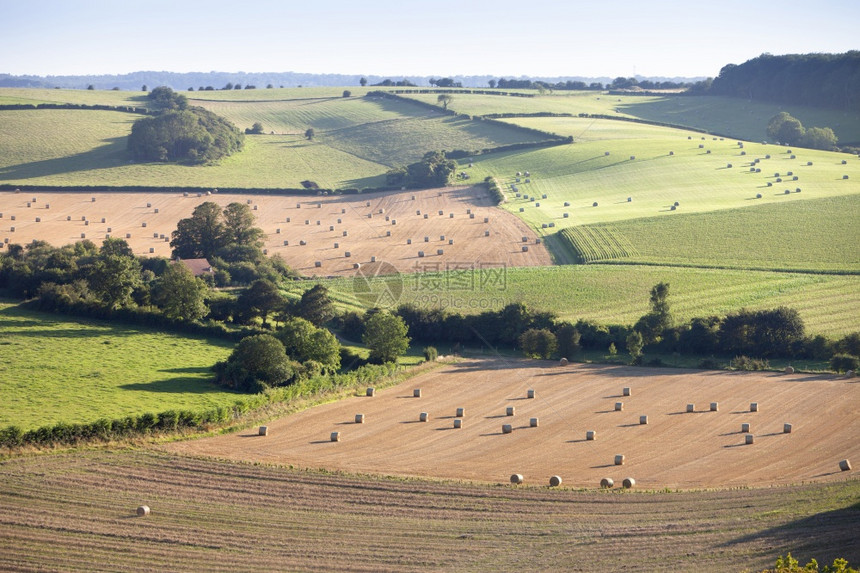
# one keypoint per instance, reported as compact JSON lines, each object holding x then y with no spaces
{"x":691,"y":407}
{"x":525,"y":248}
{"x":507,"y":428}
{"x":408,"y":241}
{"x":347,"y":254}
{"x":458,"y":423}
{"x":753,"y":406}
{"x":302,"y":243}
{"x":450,"y":215}
{"x":758,"y":195}
{"x":486,"y":219}
{"x":844,"y":177}
{"x":461,"y":412}
{"x":626,"y":391}
{"x":728,"y":165}
{"x":769,"y":184}
{"x":701,"y":146}
{"x":426,"y":216}
{"x":567,"y":203}
{"x":440,"y":251}
{"x":359,"y":418}
{"x":38,"y":220}
{"x":745,"y":428}
{"x":628,"y":483}
{"x":743,"y":152}
{"x":331,"y":227}
{"x":537,"y":204}
{"x":779,"y":179}
{"x":370,"y":392}
{"x":345,"y":233}
{"x":607,"y":483}
{"x":591,"y":435}
{"x":286,"y":243}
{"x":530,"y":393}
{"x":335,"y":437}
{"x":673,"y":207}
{"x":317,"y":264}
{"x":632,"y":157}
{"x":594,"y":204}
{"x":715,"y":406}
{"x":486,"y":233}
{"x":786,"y":428}
{"x":522,"y":210}
{"x":263,"y":431}
{"x":510,"y":411}
{"x":416,"y":393}
{"x":343,"y":211}
{"x":845,"y":465}
{"x":92,"y":200}
{"x":555,"y":481}
{"x":517,"y":479}
{"x":844,"y":162}
{"x":420,"y":254}
{"x":373,"y":259}
{"x":562,"y":362}
{"x":255,"y":207}
{"x":789,"y":369}
{"x":606,"y":153}
{"x":643,"y":420}
{"x":809,"y":163}
{"x":339,"y":221}
{"x":288,"y":219}
{"x":143,"y":510}
{"x":671,"y":153}
{"x":619,"y":459}
{"x":450,"y":241}
{"x":749,"y":439}
{"x":533,"y":422}
{"x":47,"y":205}
{"x":619,"y":406}
{"x":128,"y":235}
{"x":151,"y":250}
{"x":356,"y":265}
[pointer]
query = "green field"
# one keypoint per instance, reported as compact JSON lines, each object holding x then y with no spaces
{"x":618,"y":294}
{"x":56,"y":369}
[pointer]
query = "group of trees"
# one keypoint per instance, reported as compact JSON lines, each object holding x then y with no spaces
{"x":576,"y":85}
{"x":228,"y":234}
{"x":182,"y":133}
{"x":434,"y":170}
{"x":784,"y":128}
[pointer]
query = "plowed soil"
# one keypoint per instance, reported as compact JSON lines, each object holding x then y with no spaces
{"x":675,"y":449}
{"x":377,"y":225}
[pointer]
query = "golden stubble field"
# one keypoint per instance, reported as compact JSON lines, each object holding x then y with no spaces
{"x":460,"y":222}
{"x":675,"y":449}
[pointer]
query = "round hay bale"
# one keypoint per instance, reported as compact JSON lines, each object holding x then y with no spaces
{"x":335,"y":437}
{"x":563,"y":362}
{"x":845,"y":465}
{"x":38,"y":219}
{"x":151,"y":250}
{"x":591,"y":435}
{"x":797,"y":190}
{"x":424,"y":417}
{"x":142,"y":510}
{"x":507,"y":428}
{"x":630,"y":199}
{"x":619,"y":459}
{"x":522,"y":210}
{"x":143,"y":225}
{"x":625,"y":391}
{"x":607,"y":483}
{"x":769,"y":184}
{"x":373,"y":259}
{"x":671,"y":153}
{"x":356,"y":265}
{"x":408,"y":241}
{"x":786,"y":428}
{"x":758,"y":195}
{"x":787,"y":192}
{"x":92,"y":200}
{"x":673,"y":207}
{"x":619,"y":406}
{"x":359,"y":418}
{"x":337,"y":245}
{"x":263,"y":431}
{"x":691,"y":407}
{"x":643,"y":420}
{"x":486,"y":233}
{"x":594,"y":204}
{"x":555,"y":481}
{"x":728,"y":165}
{"x":753,"y":406}
{"x":844,"y":177}
{"x":789,"y":369}
{"x":715,"y":406}
{"x":510,"y":411}
{"x":517,"y":479}
{"x":530,"y":393}
{"x":749,"y":439}
{"x":440,"y":251}
{"x":458,"y":423}
{"x":347,"y":254}
{"x":525,"y":248}
{"x":287,"y":243}
{"x":317,"y":264}
{"x":606,"y":153}
{"x":844,"y":162}
{"x":809,"y":163}
{"x":533,"y":422}
{"x":370,"y":392}
{"x":628,"y":483}
{"x":632,"y":157}
{"x":420,"y":254}
{"x":461,"y":412}
{"x":745,"y":428}
{"x":345,"y":233}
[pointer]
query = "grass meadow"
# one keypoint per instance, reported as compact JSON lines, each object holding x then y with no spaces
{"x":56,"y":369}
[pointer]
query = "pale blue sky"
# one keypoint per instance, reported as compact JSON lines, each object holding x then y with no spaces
{"x":431,"y":37}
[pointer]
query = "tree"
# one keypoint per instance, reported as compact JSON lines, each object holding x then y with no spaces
{"x":635,"y":343}
{"x":113,"y":278}
{"x":193,"y":135}
{"x":492,"y":84}
{"x":309,"y":133}
{"x":259,"y":299}
{"x":114,"y":246}
{"x":538,"y":343}
{"x":255,"y":129}
{"x":256,"y":362}
{"x":143,"y":88}
{"x":820,"y":138}
{"x":239,"y":226}
{"x":201,"y":235}
{"x":347,"y":93}
{"x":652,"y":325}
{"x":316,"y":306}
{"x":386,"y":336}
{"x":444,"y":99}
{"x":181,"y":295}
{"x":568,"y":340}
{"x":785,"y":129}
{"x":91,"y":87}
{"x":303,"y":341}
{"x":363,"y":82}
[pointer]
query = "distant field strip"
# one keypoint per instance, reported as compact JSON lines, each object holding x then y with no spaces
{"x":598,"y":243}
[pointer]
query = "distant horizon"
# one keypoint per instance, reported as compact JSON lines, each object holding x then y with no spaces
{"x":447,"y":38}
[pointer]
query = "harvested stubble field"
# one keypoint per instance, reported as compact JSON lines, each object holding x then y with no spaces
{"x":366,"y":218}
{"x":76,"y":512}
{"x":675,"y":449}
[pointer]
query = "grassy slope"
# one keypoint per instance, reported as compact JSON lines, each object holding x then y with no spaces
{"x":220,"y":516}
{"x":53,"y":369}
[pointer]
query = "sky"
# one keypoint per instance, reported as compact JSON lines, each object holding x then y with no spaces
{"x":501,"y":38}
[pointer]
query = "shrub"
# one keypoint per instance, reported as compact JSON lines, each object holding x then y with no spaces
{"x":709,"y":364}
{"x":844,"y":362}
{"x":747,"y":363}
{"x":430,"y":353}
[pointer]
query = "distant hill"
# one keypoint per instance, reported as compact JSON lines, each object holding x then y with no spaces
{"x":182,"y":81}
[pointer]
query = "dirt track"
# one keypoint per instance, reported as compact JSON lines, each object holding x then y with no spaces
{"x":367,"y":220}
{"x":675,"y":449}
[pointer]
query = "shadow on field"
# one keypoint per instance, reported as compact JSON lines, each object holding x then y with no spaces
{"x":825,"y":536}
{"x":109,"y":155}
{"x":178,"y":385}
